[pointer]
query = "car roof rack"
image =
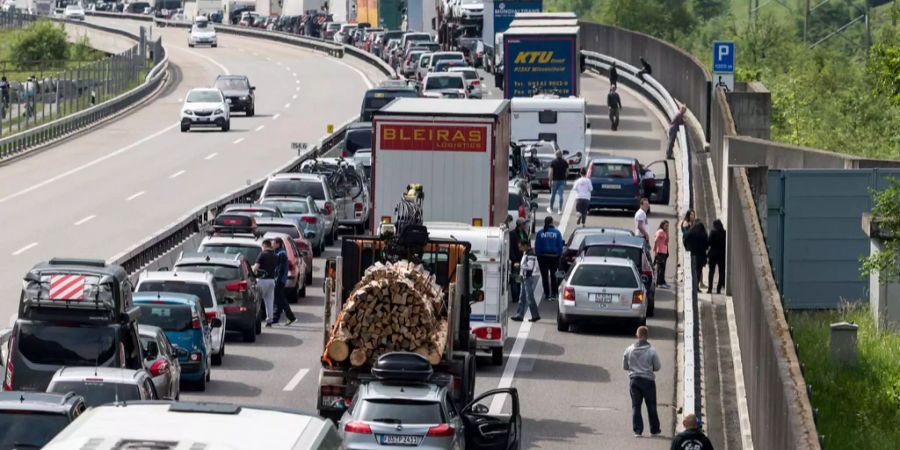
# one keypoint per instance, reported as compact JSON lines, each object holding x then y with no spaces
{"x":234,"y":223}
{"x":402,"y":366}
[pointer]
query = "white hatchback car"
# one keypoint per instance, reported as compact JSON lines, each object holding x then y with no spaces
{"x":73,"y":12}
{"x":473,"y":80}
{"x":205,"y":107}
{"x":201,"y":284}
{"x":203,"y":33}
{"x":444,"y":85}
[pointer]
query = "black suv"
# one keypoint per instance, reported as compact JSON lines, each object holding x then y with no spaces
{"x":358,"y":137}
{"x":239,"y":92}
{"x":72,"y":312}
{"x":235,"y":289}
{"x":31,"y":419}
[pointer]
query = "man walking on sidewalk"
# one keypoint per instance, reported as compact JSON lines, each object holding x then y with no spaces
{"x":559,"y":169}
{"x":282,"y":270}
{"x":641,"y":361}
{"x":691,"y":438}
{"x":615,"y":104}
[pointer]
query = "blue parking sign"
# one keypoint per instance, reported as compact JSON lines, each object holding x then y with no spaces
{"x":723,"y":56}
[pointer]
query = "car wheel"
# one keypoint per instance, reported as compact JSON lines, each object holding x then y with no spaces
{"x":185,"y":127}
{"x":497,"y":356}
{"x":201,"y":385}
{"x":259,"y":322}
{"x":227,"y":125}
{"x":317,"y":252}
{"x":329,"y":238}
{"x":250,"y":332}
{"x":561,"y":323}
{"x":290,"y":295}
{"x":215,"y":45}
{"x":308,"y":281}
{"x":217,"y":358}
{"x":651,"y":304}
{"x":302,"y":292}
{"x":191,"y":45}
{"x":251,"y":111}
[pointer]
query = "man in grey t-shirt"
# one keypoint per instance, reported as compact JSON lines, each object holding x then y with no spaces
{"x":641,"y":361}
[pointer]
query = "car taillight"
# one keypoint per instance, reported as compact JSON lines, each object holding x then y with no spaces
{"x":10,"y":367}
{"x":522,"y":211}
{"x":195,"y":323}
{"x":236,"y":286}
{"x":489,"y":333}
{"x":331,"y":390}
{"x":195,"y":356}
{"x":210,"y":315}
{"x":637,"y":298}
{"x":309,"y":220}
{"x":476,"y":83}
{"x":344,"y":154}
{"x":442,"y":430}
{"x":358,"y":207}
{"x":357,"y":427}
{"x":158,"y":368}
{"x":329,"y":208}
{"x":569,"y":294}
{"x":235,"y":309}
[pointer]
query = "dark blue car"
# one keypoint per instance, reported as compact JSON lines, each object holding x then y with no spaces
{"x":621,"y":182}
{"x":182,"y":318}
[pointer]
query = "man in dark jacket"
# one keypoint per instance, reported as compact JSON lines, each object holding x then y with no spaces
{"x":646,"y":69}
{"x":691,"y":438}
{"x":614,"y":102}
{"x":613,"y":75}
{"x":282,"y":270}
{"x":697,"y":242}
{"x":548,"y":246}
{"x":716,"y":255}
{"x":517,"y":236}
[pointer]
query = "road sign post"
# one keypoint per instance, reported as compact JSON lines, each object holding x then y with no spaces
{"x":723,"y":65}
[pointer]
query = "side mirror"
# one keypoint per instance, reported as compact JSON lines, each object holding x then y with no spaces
{"x":216,"y":322}
{"x":481,"y":78}
{"x":252,"y":88}
{"x":228,"y":100}
{"x":477,"y":278}
{"x":477,"y":296}
{"x":565,"y":152}
{"x":478,"y":408}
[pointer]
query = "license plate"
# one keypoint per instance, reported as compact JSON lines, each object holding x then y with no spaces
{"x":610,"y":186}
{"x":399,"y":439}
{"x":602,"y":298}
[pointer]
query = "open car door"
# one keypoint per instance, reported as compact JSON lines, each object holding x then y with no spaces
{"x":487,"y":431}
{"x":658,"y":192}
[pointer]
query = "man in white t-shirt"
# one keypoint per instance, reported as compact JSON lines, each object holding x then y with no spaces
{"x":583,"y":188}
{"x":640,"y":220}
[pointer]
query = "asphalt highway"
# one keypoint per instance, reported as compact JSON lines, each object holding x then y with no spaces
{"x":98,"y":194}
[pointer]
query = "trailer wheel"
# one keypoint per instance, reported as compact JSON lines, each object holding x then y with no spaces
{"x":497,"y":356}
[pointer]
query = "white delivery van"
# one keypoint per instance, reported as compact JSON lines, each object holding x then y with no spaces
{"x":488,"y":319}
{"x":551,"y":118}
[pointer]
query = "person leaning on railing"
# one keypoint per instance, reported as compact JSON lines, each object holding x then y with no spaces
{"x":4,"y":97}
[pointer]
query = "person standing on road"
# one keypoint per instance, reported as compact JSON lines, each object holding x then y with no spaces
{"x":613,"y":75}
{"x":282,"y":270}
{"x":517,"y":237}
{"x":529,"y":269}
{"x":614,"y":102}
{"x":640,"y":221}
{"x":548,"y":245}
{"x":716,"y":255}
{"x":641,"y":361}
{"x":559,"y":169}
{"x":583,"y":188}
{"x":264,"y":268}
{"x":674,"y":126}
{"x":30,"y":90}
{"x":691,"y":438}
{"x":661,"y":251}
{"x":697,"y":242}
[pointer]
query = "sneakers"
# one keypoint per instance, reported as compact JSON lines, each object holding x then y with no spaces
{"x":665,"y":286}
{"x":268,"y":324}
{"x":637,"y":435}
{"x":549,"y":210}
{"x":559,"y":211}
{"x":290,"y":321}
{"x":516,"y":319}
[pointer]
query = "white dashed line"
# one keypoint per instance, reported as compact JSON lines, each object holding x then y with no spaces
{"x":85,"y":220}
{"x":294,"y":74}
{"x":260,"y":127}
{"x":288,"y":69}
{"x":298,"y":87}
{"x":295,"y":380}
{"x":177,"y":174}
{"x":278,"y":63}
{"x":295,"y":97}
{"x":211,"y":156}
{"x":238,"y":141}
{"x":268,"y":58}
{"x":298,"y":81}
{"x":287,"y":105}
{"x":134,"y":196}
{"x":276,"y":116}
{"x":24,"y":249}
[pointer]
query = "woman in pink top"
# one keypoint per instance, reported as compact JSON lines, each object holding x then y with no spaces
{"x":661,"y":248}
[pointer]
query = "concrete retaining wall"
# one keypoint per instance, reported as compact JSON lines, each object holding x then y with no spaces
{"x":103,"y":41}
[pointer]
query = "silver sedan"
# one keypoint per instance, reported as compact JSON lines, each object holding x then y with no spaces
{"x":309,"y":215}
{"x":601,"y":287}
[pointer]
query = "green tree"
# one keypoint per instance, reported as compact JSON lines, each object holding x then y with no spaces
{"x":665,"y":19}
{"x":39,"y":41}
{"x":884,"y":68}
{"x":887,"y":213}
{"x":708,"y":9}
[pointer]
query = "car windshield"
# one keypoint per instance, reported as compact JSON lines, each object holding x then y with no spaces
{"x":611,"y":170}
{"x":219,"y":272}
{"x":597,"y":275}
{"x":295,"y":188}
{"x":250,"y":252}
{"x":204,"y":97}
{"x":612,"y":251}
{"x":444,"y":83}
{"x":166,"y":317}
{"x":289,"y":207}
{"x":578,"y":235}
{"x":180,"y":287}
{"x":447,"y":57}
{"x":399,"y":411}
{"x":29,"y":429}
{"x":232,"y":84}
{"x":418,"y":37}
{"x":357,"y":139}
{"x":97,"y":393}
{"x":45,"y":343}
{"x":73,"y":8}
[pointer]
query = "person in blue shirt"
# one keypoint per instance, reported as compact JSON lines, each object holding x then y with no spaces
{"x":548,"y":246}
{"x":281,"y":275}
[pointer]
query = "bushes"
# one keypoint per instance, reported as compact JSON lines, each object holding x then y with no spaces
{"x":39,"y":41}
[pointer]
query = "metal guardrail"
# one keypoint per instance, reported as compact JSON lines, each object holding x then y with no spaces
{"x":18,"y":143}
{"x":196,"y":221}
{"x":328,"y":47}
{"x":691,"y":378}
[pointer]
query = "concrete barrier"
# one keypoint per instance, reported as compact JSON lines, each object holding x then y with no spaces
{"x":99,"y":39}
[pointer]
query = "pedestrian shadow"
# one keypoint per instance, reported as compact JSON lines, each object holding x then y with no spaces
{"x":625,"y":143}
{"x":554,"y":369}
{"x":227,"y":388}
{"x":245,"y":362}
{"x":270,"y":338}
{"x":634,"y":125}
{"x":603,"y":110}
{"x":557,"y":432}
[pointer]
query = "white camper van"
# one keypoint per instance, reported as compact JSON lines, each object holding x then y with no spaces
{"x":488,"y":319}
{"x":551,"y":118}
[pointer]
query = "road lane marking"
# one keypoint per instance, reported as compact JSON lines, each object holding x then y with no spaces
{"x":260,"y":127}
{"x":177,"y":174}
{"x":276,"y":116}
{"x":359,"y":72}
{"x":24,"y":249}
{"x":298,"y":81}
{"x":85,"y":220}
{"x":295,"y":380}
{"x":75,"y":170}
{"x":295,"y":74}
{"x":288,"y":69}
{"x":211,"y":156}
{"x":238,"y":141}
{"x":268,"y":58}
{"x":278,"y":63}
{"x":134,"y":196}
{"x":288,"y":105}
{"x":225,"y":70}
{"x":294,"y":97}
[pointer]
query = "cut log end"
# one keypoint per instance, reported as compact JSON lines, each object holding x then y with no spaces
{"x":338,"y":350}
{"x":358,"y":357}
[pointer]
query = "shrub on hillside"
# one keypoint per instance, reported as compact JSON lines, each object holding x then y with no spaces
{"x":39,"y":41}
